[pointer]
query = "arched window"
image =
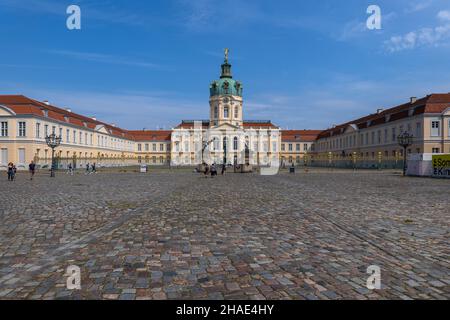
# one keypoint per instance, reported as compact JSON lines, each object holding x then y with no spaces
{"x":226,"y":112}
{"x":235,"y":143}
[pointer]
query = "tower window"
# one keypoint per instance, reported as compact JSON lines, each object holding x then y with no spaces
{"x":236,"y":112}
{"x":226,"y":112}
{"x":216,"y":112}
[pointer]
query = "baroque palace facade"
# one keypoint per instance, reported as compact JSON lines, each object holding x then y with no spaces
{"x":224,"y":137}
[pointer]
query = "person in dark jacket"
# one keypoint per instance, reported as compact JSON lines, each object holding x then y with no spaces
{"x":10,"y":171}
{"x":32,"y":169}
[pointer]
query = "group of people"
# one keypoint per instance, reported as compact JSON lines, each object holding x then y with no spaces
{"x":212,"y":170}
{"x":12,"y":170}
{"x":90,"y":168}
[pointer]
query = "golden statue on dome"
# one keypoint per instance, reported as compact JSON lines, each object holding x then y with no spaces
{"x":226,"y":54}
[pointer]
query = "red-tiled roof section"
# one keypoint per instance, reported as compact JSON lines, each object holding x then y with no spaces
{"x":23,"y":105}
{"x":259,"y":124}
{"x":433,"y":103}
{"x":299,"y":135}
{"x":151,"y":135}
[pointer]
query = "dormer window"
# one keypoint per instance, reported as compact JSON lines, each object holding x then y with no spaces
{"x":66,"y":119}
{"x":45,"y":113}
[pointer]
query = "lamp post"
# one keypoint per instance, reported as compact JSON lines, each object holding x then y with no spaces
{"x":225,"y":142}
{"x":405,"y":139}
{"x":53,"y":141}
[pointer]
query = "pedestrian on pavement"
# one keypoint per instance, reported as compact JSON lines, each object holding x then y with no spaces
{"x":93,"y":168}
{"x":87,"y":168}
{"x":10,"y":171}
{"x":70,"y":169}
{"x":32,"y":168}
{"x":223,"y":168}
{"x":213,"y":170}
{"x":14,"y":171}
{"x":206,"y":170}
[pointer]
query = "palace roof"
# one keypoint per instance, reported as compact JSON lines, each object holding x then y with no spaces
{"x":431,"y":104}
{"x":299,"y":135}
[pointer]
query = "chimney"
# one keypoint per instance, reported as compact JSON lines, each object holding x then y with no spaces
{"x":413,"y":100}
{"x":94,"y":118}
{"x":68,"y":110}
{"x":380,"y":110}
{"x":46,"y":102}
{"x":113,"y":124}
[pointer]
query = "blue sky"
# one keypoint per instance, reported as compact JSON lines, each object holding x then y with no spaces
{"x":148,"y":64}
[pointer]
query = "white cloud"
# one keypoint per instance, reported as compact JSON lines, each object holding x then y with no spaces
{"x":424,"y":37}
{"x":416,"y":6}
{"x":103,"y":58}
{"x":444,"y":15}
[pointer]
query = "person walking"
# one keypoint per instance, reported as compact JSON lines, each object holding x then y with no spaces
{"x":223,"y":169}
{"x":14,"y":171}
{"x":93,"y":168}
{"x":213,"y":170}
{"x":70,"y":169}
{"x":10,"y":171}
{"x":32,"y":168}
{"x":206,"y":170}
{"x":87,"y":168}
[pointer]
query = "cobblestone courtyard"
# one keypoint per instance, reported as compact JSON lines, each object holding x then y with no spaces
{"x":177,"y":235}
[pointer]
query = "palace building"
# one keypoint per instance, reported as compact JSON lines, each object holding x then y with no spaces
{"x":225,"y":137}
{"x":371,"y":141}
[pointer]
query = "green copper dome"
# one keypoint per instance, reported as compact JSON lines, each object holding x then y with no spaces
{"x":226,"y":85}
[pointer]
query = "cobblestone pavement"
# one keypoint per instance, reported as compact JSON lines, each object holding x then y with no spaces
{"x":178,"y":235}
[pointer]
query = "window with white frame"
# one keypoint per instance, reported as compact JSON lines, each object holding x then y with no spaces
{"x":435,"y":128}
{"x":418,"y":129}
{"x":38,"y":130}
{"x":4,"y":129}
{"x":22,"y":129}
{"x":67,"y":135}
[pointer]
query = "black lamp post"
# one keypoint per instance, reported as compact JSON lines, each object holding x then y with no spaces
{"x":53,"y":141}
{"x":405,"y":140}
{"x":225,"y":141}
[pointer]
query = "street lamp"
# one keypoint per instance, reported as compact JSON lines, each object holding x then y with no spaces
{"x":225,"y":142}
{"x":53,"y":141}
{"x":405,"y":140}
